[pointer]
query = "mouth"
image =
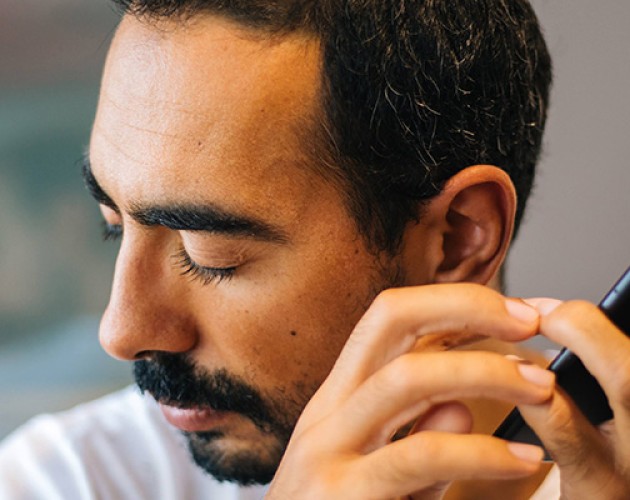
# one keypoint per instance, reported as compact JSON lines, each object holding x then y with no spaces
{"x":195,"y":419}
{"x":195,"y":400}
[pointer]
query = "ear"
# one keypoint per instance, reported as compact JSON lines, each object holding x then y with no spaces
{"x":463,"y":233}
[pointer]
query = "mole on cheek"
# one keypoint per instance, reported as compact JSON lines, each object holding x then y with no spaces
{"x":293,"y":333}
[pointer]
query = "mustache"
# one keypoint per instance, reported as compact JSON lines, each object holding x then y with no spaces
{"x":175,"y":380}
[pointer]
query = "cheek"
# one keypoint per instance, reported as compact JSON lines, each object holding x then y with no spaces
{"x":289,"y":329}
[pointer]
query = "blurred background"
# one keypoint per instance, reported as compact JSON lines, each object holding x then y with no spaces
{"x":54,"y":269}
{"x":55,"y":272}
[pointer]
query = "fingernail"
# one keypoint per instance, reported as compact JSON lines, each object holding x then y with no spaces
{"x":543,"y":305}
{"x":521,"y":311}
{"x":536,"y":374}
{"x":526,"y":452}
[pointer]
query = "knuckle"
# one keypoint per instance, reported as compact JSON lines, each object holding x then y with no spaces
{"x":385,"y":301}
{"x":399,"y":375}
{"x":304,"y":448}
{"x":379,"y":317}
{"x":382,"y":311}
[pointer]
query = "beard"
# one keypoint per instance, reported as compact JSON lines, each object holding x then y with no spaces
{"x":175,"y":380}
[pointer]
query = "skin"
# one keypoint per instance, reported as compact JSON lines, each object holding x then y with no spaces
{"x":210,"y":114}
{"x":153,"y":144}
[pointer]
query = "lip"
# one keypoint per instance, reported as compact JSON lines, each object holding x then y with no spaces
{"x":192,"y":419}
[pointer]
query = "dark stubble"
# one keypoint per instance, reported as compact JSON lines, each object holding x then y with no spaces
{"x":173,"y":379}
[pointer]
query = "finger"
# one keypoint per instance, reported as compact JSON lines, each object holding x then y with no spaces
{"x":604,"y":350}
{"x":580,"y":451}
{"x":452,"y":417}
{"x":399,"y":317}
{"x":423,"y":460}
{"x":413,"y":383}
{"x":544,"y":305}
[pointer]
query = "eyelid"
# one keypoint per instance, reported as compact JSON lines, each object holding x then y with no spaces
{"x":205,"y":274}
{"x":217,"y":248}
{"x":111,"y":225}
{"x":109,"y":213}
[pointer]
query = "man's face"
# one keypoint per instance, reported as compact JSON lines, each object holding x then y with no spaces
{"x":240,"y":273}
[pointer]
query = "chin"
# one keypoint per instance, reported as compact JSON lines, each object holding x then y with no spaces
{"x":243,"y":461}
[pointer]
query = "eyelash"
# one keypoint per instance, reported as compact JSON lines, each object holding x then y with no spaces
{"x":206,"y":275}
{"x":111,"y":232}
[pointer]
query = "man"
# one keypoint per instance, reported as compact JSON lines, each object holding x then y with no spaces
{"x":311,"y":196}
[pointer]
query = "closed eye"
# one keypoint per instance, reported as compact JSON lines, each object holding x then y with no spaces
{"x":111,"y":232}
{"x":204,"y":274}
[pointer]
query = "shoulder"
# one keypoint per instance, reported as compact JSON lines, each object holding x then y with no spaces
{"x":122,"y":418}
{"x":78,"y":451}
{"x":118,"y":446}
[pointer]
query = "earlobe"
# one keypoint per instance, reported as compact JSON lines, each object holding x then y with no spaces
{"x":468,"y":226}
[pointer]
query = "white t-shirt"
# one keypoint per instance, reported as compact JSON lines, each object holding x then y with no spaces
{"x":116,"y":448}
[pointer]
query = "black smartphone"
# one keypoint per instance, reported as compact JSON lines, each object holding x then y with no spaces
{"x":574,"y":378}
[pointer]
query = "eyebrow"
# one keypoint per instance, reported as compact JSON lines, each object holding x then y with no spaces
{"x":189,"y":217}
{"x":93,"y":186}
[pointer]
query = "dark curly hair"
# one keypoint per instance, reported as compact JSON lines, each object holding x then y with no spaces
{"x":413,"y":91}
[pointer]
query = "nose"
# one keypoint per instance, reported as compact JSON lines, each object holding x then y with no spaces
{"x":147,"y":308}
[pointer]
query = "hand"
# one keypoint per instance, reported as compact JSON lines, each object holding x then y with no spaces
{"x":389,"y":374}
{"x":593,"y":462}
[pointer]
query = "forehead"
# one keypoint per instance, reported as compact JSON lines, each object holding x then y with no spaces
{"x":205,"y":110}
